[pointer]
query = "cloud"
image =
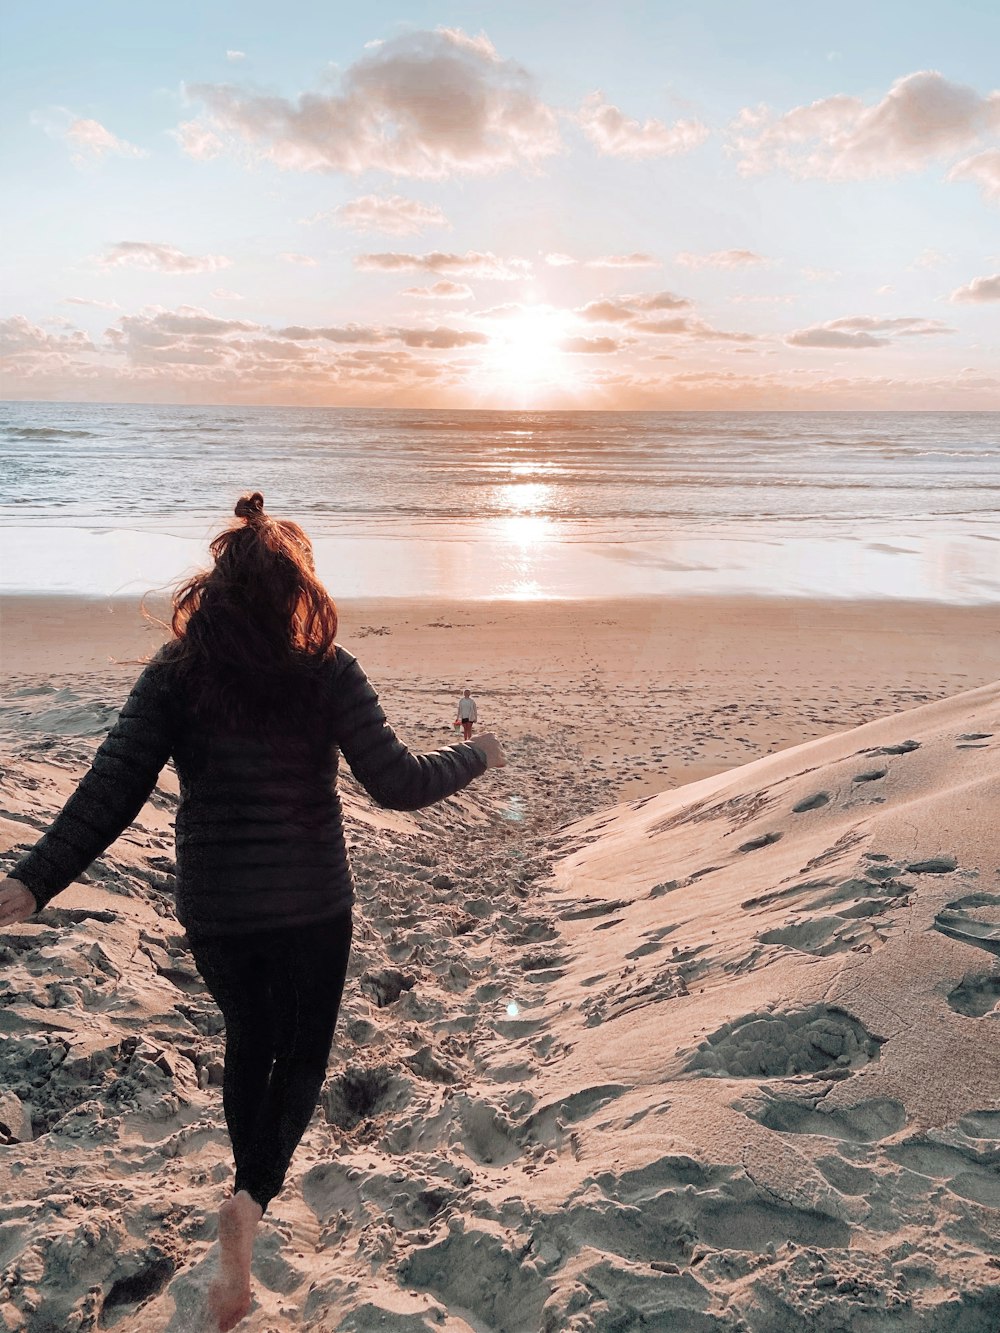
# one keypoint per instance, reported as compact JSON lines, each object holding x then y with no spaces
{"x":190,"y":320}
{"x":820,"y":274}
{"x":292,"y":257}
{"x":445,"y":290}
{"x":224,"y":294}
{"x":615,"y":134}
{"x":93,"y":142}
{"x":392,"y":214}
{"x":634,"y":312}
{"x":686,"y":326}
{"x":979,"y":289}
{"x":160,"y":258}
{"x":929,"y":259}
{"x":473,"y":263}
{"x":87,"y":300}
{"x":858,"y":331}
{"x":984,"y":170}
{"x":637,"y":259}
{"x":558,"y":260}
{"x":721,"y":259}
{"x":505,"y":311}
{"x":425,"y":104}
{"x":621,"y":308}
{"x":439,"y":337}
{"x":20,"y":338}
{"x":922,"y":117}
{"x":608,"y":312}
{"x":355,"y":333}
{"x":596,"y":345}
{"x":236,"y":56}
{"x":197,"y":140}
{"x":908,"y":326}
{"x":761,"y":298}
{"x":822,"y":336}
{"x":349,"y":333}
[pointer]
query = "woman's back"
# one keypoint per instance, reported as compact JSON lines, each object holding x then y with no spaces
{"x":260,"y":837}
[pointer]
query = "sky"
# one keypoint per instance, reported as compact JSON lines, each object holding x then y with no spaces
{"x":711,"y":205}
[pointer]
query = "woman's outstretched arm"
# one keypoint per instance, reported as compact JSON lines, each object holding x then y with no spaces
{"x":393,"y":775}
{"x":110,"y":794}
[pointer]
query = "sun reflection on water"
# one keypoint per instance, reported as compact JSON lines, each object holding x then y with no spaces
{"x":524,"y":497}
{"x":526,"y":529}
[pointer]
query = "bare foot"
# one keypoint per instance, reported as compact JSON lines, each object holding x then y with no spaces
{"x":229,"y":1294}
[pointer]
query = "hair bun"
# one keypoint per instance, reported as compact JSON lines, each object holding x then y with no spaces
{"x":250,"y":506}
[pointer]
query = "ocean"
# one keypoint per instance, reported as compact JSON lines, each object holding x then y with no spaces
{"x":113,"y":499}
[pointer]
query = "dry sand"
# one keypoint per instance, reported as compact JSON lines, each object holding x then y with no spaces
{"x":718,"y":1056}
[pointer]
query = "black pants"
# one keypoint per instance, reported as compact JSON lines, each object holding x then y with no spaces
{"x":279,"y":993}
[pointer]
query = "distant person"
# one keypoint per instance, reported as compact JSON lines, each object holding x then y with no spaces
{"x":467,"y":714}
{"x":253,"y":699}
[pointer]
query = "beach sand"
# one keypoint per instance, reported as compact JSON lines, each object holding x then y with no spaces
{"x":614,"y":1052}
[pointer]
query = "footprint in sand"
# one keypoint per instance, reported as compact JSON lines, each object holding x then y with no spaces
{"x":973,"y":740}
{"x":765,"y":840}
{"x":814,"y":802}
{"x":774,"y":1045}
{"x":956,"y":922}
{"x":975,"y":995}
{"x":904,"y":747}
{"x":872,"y":775}
{"x":865,"y":1122}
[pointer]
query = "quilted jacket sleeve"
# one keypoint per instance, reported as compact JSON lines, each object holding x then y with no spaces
{"x":110,"y":794}
{"x":392,"y":774}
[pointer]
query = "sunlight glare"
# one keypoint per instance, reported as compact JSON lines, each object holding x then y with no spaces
{"x":525,"y":357}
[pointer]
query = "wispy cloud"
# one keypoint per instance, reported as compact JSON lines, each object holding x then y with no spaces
{"x":236,"y":56}
{"x":480,"y":264}
{"x":92,"y":301}
{"x":983,"y":170}
{"x":923,"y":117}
{"x":637,"y":259}
{"x":862,"y":331}
{"x":687,"y":326}
{"x":617,"y":135}
{"x":599,"y":346}
{"x":618,"y":309}
{"x":423,"y":104}
{"x":355,"y":333}
{"x":440,"y":337}
{"x":929,"y":259}
{"x":160,"y":258}
{"x":978,"y":290}
{"x":92,"y":140}
{"x":721,"y":259}
{"x":197,"y":140}
{"x":391,"y":214}
{"x":445,"y":290}
{"x":293,"y":257}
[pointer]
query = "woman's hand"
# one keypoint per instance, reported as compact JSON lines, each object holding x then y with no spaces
{"x":17,"y":902}
{"x":491,"y":747}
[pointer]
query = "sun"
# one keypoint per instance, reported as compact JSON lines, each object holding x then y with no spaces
{"x":526,"y":360}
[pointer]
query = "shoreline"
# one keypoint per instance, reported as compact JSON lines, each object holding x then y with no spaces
{"x":534,"y":556}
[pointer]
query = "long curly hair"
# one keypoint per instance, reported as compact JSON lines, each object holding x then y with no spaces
{"x":251,"y":632}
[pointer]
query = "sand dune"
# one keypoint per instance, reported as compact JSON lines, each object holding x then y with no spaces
{"x":722,"y":1057}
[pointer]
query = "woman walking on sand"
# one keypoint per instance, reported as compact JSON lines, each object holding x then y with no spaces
{"x":253,"y":699}
{"x":467,"y":714}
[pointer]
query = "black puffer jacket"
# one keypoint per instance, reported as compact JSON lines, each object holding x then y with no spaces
{"x":260,"y":835}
